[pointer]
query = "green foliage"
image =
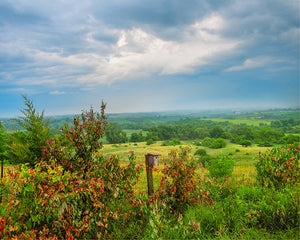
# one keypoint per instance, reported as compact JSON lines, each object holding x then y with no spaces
{"x":221,"y":167}
{"x":137,"y":137}
{"x":173,"y":142}
{"x":245,"y":211}
{"x":245,"y":143}
{"x":197,"y":143}
{"x":205,"y":160}
{"x":49,"y":202}
{"x":201,"y":152}
{"x":279,"y":166}
{"x":290,"y":139}
{"x":3,"y":143}
{"x":84,"y":142}
{"x":115,"y":134}
{"x":214,"y":143}
{"x":217,"y":132}
{"x":178,"y":186}
{"x":28,"y":148}
{"x":149,"y":142}
{"x":267,"y":137}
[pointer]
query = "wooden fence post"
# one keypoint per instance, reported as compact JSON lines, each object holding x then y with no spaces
{"x":151,"y":159}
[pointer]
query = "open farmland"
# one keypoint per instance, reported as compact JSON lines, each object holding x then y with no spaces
{"x":244,"y":157}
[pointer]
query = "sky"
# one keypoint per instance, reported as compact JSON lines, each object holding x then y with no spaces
{"x":145,"y":56}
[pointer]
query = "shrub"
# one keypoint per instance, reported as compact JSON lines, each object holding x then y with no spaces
{"x":201,"y":152}
{"x":150,"y":141}
{"x":245,"y":143}
{"x":84,"y":142}
{"x":207,"y":142}
{"x":219,"y":143}
{"x":221,"y":167}
{"x":173,"y":142}
{"x":205,"y":160}
{"x":49,"y":202}
{"x":279,"y":166}
{"x":214,"y":143}
{"x":178,"y":187}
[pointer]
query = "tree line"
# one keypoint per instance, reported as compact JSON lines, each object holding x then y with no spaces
{"x":207,"y":130}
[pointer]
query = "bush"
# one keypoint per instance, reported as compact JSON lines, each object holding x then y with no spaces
{"x":279,"y":166}
{"x":221,"y":167}
{"x":205,"y":160}
{"x":245,"y":143}
{"x":150,"y":141}
{"x":49,"y":202}
{"x":83,"y":142}
{"x":178,"y":187}
{"x":173,"y":142}
{"x":214,"y":143}
{"x":201,"y":152}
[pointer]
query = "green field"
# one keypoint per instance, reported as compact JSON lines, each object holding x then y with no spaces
{"x":244,"y":157}
{"x":250,"y":122}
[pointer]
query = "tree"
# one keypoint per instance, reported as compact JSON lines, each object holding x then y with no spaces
{"x":28,"y":148}
{"x":114,"y":134}
{"x":137,"y":137}
{"x":216,"y":132}
{"x":3,"y":142}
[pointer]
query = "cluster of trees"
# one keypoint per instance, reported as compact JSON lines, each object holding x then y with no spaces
{"x":212,"y":132}
{"x":114,"y":134}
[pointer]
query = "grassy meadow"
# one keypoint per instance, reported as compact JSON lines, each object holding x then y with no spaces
{"x":244,"y":157}
{"x":250,"y":122}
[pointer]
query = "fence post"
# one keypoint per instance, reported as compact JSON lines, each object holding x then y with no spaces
{"x":151,"y":159}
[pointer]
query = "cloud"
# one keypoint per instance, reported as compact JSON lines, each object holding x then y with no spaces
{"x":257,"y":62}
{"x":57,"y":93}
{"x":138,"y":53}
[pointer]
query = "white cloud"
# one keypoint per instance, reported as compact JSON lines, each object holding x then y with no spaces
{"x":257,"y":62}
{"x":57,"y":93}
{"x":138,"y":53}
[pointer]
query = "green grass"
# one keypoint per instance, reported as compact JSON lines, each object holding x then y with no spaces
{"x":245,"y":158}
{"x":250,"y":122}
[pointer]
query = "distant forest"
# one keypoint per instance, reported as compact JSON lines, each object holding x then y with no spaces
{"x":264,"y":128}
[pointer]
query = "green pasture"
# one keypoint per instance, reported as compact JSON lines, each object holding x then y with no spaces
{"x":250,"y":122}
{"x":244,"y":157}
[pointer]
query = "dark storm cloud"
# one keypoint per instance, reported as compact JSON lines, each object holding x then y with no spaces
{"x":266,"y":27}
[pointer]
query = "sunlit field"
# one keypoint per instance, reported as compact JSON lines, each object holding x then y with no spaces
{"x":244,"y":157}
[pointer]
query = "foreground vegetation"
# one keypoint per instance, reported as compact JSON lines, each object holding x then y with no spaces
{"x":72,"y":187}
